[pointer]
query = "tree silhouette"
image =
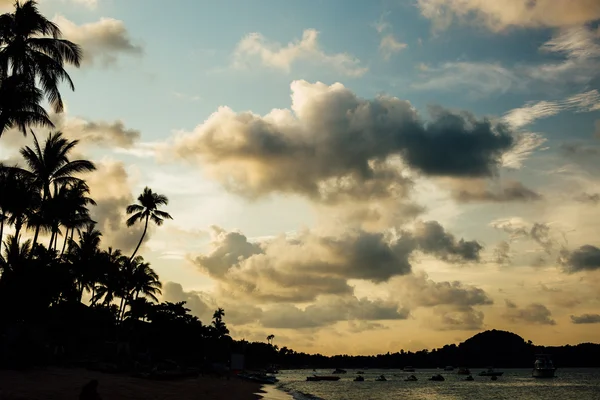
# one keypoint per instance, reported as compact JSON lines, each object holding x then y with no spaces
{"x":145,"y":210}
{"x":20,"y":105}
{"x":218,"y":325}
{"x":49,"y":168}
{"x":32,"y":48}
{"x":270,"y":339}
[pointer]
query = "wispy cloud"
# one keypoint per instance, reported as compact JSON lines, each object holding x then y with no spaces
{"x":282,"y":57}
{"x":389,"y":46}
{"x":581,"y":102}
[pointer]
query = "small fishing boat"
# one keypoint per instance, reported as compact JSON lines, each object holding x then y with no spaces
{"x":463,"y":371}
{"x":437,"y":377}
{"x":411,"y":378}
{"x":359,"y":379}
{"x":408,"y":369}
{"x":380,"y":378}
{"x":449,"y":368}
{"x":469,"y":378}
{"x":494,"y":378}
{"x":339,"y":371}
{"x":543,"y":367}
{"x":490,"y":372}
{"x":317,"y":378}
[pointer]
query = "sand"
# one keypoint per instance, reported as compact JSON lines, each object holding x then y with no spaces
{"x":65,"y":384}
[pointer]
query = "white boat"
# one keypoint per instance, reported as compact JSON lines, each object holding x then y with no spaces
{"x":543,"y":367}
{"x":490,"y":372}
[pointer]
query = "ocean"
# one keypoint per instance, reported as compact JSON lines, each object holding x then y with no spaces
{"x":515,"y":384}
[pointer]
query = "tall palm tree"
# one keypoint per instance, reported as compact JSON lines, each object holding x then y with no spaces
{"x":84,"y":258}
{"x":19,"y":199}
{"x":20,"y":105}
{"x":147,"y":209}
{"x":138,"y":279}
{"x":50,"y":167}
{"x":109,"y":282}
{"x":31,"y":45}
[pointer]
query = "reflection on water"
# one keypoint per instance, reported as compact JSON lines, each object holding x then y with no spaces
{"x":570,"y":384}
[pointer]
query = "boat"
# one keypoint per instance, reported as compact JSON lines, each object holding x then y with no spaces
{"x":543,"y":367}
{"x":494,"y":378}
{"x":359,"y":379}
{"x":469,"y":378}
{"x":317,"y":378}
{"x":408,"y":369}
{"x":463,"y":371}
{"x":339,"y":371}
{"x":490,"y":372}
{"x":449,"y":368}
{"x":437,"y":377}
{"x":380,"y":378}
{"x":411,"y":378}
{"x":258,"y":377}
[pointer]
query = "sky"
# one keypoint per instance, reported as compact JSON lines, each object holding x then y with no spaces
{"x":351,"y":176}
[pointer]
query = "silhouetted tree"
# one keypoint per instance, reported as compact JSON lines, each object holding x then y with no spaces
{"x":147,"y":209}
{"x":32,"y":48}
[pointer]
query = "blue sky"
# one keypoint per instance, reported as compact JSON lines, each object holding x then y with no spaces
{"x":249,"y":192}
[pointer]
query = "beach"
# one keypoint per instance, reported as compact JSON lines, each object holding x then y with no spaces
{"x":66,"y":384}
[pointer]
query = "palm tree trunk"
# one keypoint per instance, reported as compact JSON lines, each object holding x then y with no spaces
{"x":56,"y":239}
{"x":65,"y":242}
{"x":35,"y":236}
{"x":141,"y":239}
{"x":1,"y":230}
{"x":51,"y":240}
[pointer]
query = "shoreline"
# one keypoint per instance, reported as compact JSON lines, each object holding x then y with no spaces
{"x":65,"y":383}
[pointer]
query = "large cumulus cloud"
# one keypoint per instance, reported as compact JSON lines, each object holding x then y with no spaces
{"x":333,"y":145}
{"x":302,"y":267}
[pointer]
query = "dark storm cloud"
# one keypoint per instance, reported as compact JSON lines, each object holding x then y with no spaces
{"x":333,"y":146}
{"x":585,"y":258}
{"x":432,"y":238}
{"x":586,"y":319}
{"x":534,"y":313}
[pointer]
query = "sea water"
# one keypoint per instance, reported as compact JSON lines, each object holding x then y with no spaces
{"x":569,"y":384}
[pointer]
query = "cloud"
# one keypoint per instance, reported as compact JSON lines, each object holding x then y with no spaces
{"x":502,"y":253}
{"x":110,"y":186}
{"x":99,"y":133}
{"x":589,"y":198}
{"x":346,"y":147}
{"x":278,"y":56}
{"x":389,"y":45}
{"x":433,"y":239}
{"x":301,"y":267}
{"x":586,"y":319}
{"x":467,"y":191}
{"x":478,"y":79}
{"x":518,"y":228}
{"x":529,"y":113}
{"x":580,"y":42}
{"x":329,"y":310}
{"x":102,"y":41}
{"x":202,"y":305}
{"x":498,"y":16}
{"x":585,"y":258}
{"x":452,"y":303}
{"x":533,"y":313}
{"x":420,"y":291}
{"x":579,"y":150}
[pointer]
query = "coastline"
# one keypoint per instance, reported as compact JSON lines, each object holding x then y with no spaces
{"x":271,"y":392}
{"x":66,"y":383}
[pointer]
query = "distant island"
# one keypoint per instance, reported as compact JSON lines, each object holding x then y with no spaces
{"x":494,"y":347}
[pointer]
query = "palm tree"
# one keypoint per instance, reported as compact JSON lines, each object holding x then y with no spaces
{"x":270,"y":339}
{"x":19,"y":200}
{"x":147,"y":209}
{"x":50,"y":167}
{"x":84,"y":258}
{"x":109,"y":282}
{"x":138,"y":278}
{"x":20,"y":105}
{"x":218,"y":325}
{"x":31,"y":46}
